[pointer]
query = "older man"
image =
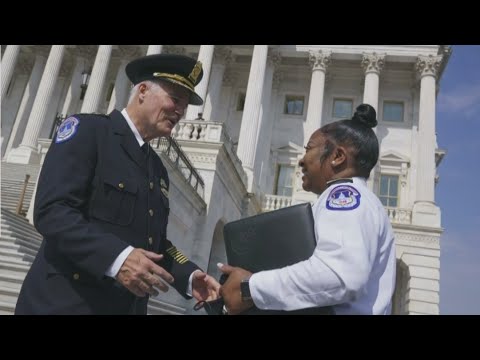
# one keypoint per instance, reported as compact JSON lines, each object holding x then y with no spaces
{"x":102,"y":204}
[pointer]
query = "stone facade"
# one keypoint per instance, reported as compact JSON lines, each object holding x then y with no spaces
{"x":262,"y":104}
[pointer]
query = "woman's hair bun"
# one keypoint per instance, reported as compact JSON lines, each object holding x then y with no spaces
{"x":366,"y":115}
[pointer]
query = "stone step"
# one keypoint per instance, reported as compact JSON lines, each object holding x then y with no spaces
{"x":9,"y":235}
{"x":9,"y":216}
{"x":19,"y":248}
{"x":13,"y":269}
{"x":12,"y":281}
{"x":9,"y":295}
{"x":7,"y":308}
{"x":10,"y":189}
{"x":13,"y":253}
{"x":27,"y":235}
{"x":11,"y":225}
{"x":157,"y":307}
{"x":13,"y":261}
{"x":21,"y":243}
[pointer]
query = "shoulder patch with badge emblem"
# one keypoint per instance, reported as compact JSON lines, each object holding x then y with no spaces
{"x":343,"y":197}
{"x":67,"y":129}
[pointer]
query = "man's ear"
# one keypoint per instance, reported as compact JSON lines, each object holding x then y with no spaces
{"x":339,"y":156}
{"x":142,"y":88}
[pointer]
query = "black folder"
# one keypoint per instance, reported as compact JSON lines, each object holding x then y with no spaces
{"x":273,"y":240}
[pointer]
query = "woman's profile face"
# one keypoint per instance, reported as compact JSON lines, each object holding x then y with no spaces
{"x":316,"y":172}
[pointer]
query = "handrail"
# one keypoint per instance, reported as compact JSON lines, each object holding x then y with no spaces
{"x":19,"y":210}
{"x":56,"y":123}
{"x":173,"y":150}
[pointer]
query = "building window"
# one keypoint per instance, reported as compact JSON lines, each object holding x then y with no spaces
{"x":241,"y":101}
{"x":393,"y":111}
{"x":294,"y":105}
{"x":342,"y":108}
{"x":284,"y":183}
{"x":389,"y":190}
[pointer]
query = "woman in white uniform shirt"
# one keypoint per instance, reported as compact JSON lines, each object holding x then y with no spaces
{"x":353,"y":265}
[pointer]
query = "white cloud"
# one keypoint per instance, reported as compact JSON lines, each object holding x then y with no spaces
{"x":464,"y":100}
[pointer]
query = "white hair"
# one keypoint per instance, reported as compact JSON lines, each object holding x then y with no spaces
{"x":151,"y":84}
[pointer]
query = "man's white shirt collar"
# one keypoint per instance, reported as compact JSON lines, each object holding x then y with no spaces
{"x":132,"y":126}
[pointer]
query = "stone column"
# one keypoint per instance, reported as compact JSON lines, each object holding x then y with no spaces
{"x":221,"y":57}
{"x":319,"y":60}
{"x":425,"y":212}
{"x":205,"y":56}
{"x":94,"y":94}
{"x":84,"y":54}
{"x":119,"y":94}
{"x":26,"y":153}
{"x":372,"y":65}
{"x":154,"y":49}
{"x":27,"y":100}
{"x":247,"y":145}
{"x":9,"y":60}
{"x":266,"y":119}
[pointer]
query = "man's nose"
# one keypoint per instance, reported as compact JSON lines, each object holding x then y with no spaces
{"x":301,"y":162}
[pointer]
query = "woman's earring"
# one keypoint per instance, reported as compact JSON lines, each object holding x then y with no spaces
{"x":333,"y":162}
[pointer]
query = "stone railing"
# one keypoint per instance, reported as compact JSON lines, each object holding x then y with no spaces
{"x":170,"y":147}
{"x":209,"y":131}
{"x":399,"y":216}
{"x":275,"y":202}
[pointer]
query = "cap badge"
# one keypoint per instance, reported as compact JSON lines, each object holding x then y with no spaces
{"x":195,"y":72}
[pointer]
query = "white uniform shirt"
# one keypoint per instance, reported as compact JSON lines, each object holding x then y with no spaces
{"x":353,"y":265}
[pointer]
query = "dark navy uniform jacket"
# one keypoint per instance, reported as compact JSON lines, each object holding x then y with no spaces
{"x":97,"y":193}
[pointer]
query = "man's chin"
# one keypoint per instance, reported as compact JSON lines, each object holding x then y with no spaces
{"x":306,"y":186}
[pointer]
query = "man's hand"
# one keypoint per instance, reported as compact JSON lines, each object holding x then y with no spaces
{"x":204,"y":287}
{"x":230,"y":290}
{"x":138,"y":273}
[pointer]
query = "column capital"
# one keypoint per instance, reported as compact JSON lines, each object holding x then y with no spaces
{"x":173,"y":49}
{"x":128,"y":51}
{"x":24,"y":65}
{"x":277,"y":79}
{"x":42,"y":50}
{"x":66,"y":66}
{"x":428,"y":65}
{"x":229,"y":77}
{"x":86,"y":51}
{"x":223,"y":55}
{"x":320,"y":59}
{"x":273,"y":58}
{"x":373,"y":62}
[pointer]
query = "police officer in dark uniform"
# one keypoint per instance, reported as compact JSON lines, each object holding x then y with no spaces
{"x":102,"y":204}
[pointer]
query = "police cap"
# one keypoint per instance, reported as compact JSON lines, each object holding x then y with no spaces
{"x":178,"y":69}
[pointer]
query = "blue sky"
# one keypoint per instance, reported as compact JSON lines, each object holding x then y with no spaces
{"x":457,"y":194}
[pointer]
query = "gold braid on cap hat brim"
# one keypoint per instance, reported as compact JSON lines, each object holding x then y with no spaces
{"x":176,"y":78}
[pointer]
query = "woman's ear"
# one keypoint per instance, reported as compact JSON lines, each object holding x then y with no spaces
{"x":339,"y":156}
